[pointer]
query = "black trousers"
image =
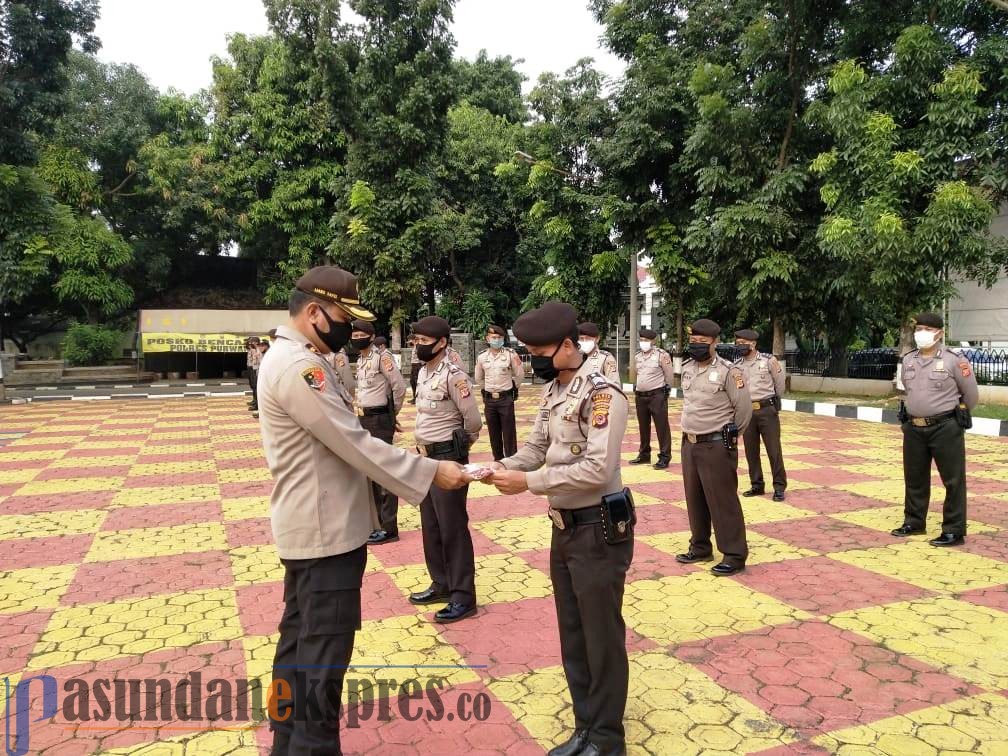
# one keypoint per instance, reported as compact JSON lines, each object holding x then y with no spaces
{"x":500,"y":420}
{"x":945,"y":443}
{"x":253,"y":380}
{"x":710,"y":477}
{"x":588,"y":579}
{"x":654,"y":407}
{"x":447,"y":542}
{"x":765,"y":425}
{"x":414,"y":376}
{"x":386,"y":503}
{"x":322,"y":613}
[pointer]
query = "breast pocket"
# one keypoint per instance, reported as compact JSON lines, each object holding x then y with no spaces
{"x":687,"y":381}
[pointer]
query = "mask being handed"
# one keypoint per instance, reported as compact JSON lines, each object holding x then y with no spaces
{"x":925,"y":339}
{"x":699,"y":352}
{"x":338,"y":334}
{"x":587,"y":346}
{"x":645,"y":346}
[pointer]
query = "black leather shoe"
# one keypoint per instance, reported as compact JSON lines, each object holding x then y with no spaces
{"x":689,"y":558}
{"x":591,"y":749}
{"x":661,"y":464}
{"x":430,"y":596}
{"x":572,"y":747}
{"x":778,"y":496}
{"x":906,"y":530}
{"x":382,"y":536}
{"x":754,"y":492}
{"x":454,"y":612}
{"x":948,"y":539}
{"x":726,"y":569}
{"x":641,"y":459}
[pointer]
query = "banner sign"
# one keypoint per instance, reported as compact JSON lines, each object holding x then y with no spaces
{"x":193,"y":342}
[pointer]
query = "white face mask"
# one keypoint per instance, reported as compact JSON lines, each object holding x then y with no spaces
{"x":925,"y":339}
{"x":645,"y":346}
{"x":587,"y":346}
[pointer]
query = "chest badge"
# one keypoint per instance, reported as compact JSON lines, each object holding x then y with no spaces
{"x":576,"y":449}
{"x":713,"y":377}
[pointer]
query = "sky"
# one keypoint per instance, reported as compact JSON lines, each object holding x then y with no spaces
{"x":172,"y":40}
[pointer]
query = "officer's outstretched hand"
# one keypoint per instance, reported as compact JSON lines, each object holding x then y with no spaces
{"x":510,"y":481}
{"x":451,"y":475}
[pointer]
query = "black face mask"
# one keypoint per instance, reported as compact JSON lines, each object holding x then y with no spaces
{"x":338,"y":334}
{"x":699,"y":352}
{"x":361,"y":344}
{"x":543,"y":366}
{"x":426,"y":352}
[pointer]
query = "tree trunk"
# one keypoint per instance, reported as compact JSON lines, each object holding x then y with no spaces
{"x":634,"y":317}
{"x":778,"y":337}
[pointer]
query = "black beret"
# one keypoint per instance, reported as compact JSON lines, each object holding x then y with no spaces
{"x":647,"y":333}
{"x":705,"y":327}
{"x":496,"y":329}
{"x":550,"y":324}
{"x":748,"y":334}
{"x":363,"y":325}
{"x":332,"y":284}
{"x":589,"y":329}
{"x":432,"y":326}
{"x":380,"y":341}
{"x":930,"y":319}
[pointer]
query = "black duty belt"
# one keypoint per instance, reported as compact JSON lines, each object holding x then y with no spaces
{"x":923,"y":422}
{"x":761,"y":403}
{"x":438,"y":449}
{"x":650,"y":393}
{"x":570,"y":518}
{"x":702,"y":438}
{"x":496,"y":394}
{"x":369,"y":411}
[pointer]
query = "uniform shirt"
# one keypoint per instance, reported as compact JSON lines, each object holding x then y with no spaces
{"x":254,"y":359}
{"x":321,"y":458}
{"x":764,"y":375}
{"x":498,"y":372}
{"x":454,"y":357}
{"x":654,"y":369}
{"x":934,"y":384}
{"x":445,"y":402}
{"x":572,"y":455}
{"x":714,"y":395}
{"x":340,"y":363}
{"x":377,"y":378}
{"x":603,"y":362}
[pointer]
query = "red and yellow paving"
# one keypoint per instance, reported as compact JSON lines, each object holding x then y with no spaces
{"x":136,"y":545}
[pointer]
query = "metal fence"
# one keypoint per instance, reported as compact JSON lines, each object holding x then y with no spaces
{"x":990,"y":365}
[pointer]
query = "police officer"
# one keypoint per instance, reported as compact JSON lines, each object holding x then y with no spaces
{"x":379,"y":397}
{"x":715,"y":395}
{"x":765,"y":378}
{"x":447,"y":424}
{"x":654,"y":376}
{"x":572,"y":457}
{"x":499,"y":372}
{"x":415,"y":365}
{"x":940,"y":392}
{"x":599,"y":360}
{"x":321,"y":459}
{"x":341,"y":365}
{"x":253,"y":357}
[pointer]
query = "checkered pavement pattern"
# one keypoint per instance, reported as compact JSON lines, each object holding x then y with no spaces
{"x":136,"y":543}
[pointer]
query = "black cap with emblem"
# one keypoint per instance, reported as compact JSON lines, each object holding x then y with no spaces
{"x":589,"y":329}
{"x":647,"y":333}
{"x":705,"y":327}
{"x":432,"y":326}
{"x":332,"y":284}
{"x":496,"y":329}
{"x":930,"y":319}
{"x":364,"y":327}
{"x":748,"y":334}
{"x":380,"y":341}
{"x":547,"y":325}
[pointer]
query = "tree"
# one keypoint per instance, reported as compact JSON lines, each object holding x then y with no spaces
{"x":493,"y":84}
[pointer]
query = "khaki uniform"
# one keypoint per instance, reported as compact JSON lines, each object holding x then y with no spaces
{"x":340,"y":363}
{"x":934,"y":388}
{"x":253,"y":360}
{"x":322,"y":513}
{"x":714,"y":395}
{"x":379,"y":397}
{"x":445,"y":403}
{"x":498,"y":375}
{"x":454,"y":357}
{"x":572,"y":457}
{"x":654,"y":375}
{"x":765,"y":378}
{"x":603,"y":362}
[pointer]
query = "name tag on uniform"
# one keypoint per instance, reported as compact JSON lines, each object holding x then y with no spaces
{"x":432,"y":405}
{"x":940,"y":367}
{"x":713,"y":377}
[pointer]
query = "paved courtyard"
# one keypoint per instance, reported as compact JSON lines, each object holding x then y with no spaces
{"x":136,"y":544}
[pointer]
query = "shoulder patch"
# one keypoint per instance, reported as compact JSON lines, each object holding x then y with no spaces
{"x":340,"y":361}
{"x":600,"y":409}
{"x":386,"y":363}
{"x":314,"y":377}
{"x":965,"y":369}
{"x":739,"y":380}
{"x":462,"y":386}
